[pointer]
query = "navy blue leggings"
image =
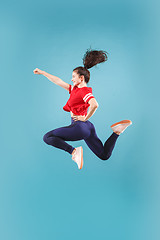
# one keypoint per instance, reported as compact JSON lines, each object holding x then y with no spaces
{"x":79,"y":130}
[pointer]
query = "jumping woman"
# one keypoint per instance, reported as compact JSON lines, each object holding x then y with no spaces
{"x":81,"y":98}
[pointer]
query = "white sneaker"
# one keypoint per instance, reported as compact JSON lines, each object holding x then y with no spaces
{"x":121,"y":126}
{"x":78,"y":157}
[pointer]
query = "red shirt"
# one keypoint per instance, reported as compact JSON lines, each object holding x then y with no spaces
{"x":78,"y":101}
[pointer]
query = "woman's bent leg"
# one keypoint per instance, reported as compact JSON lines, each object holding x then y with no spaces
{"x":96,"y":145}
{"x":57,"y":142}
{"x":74,"y":132}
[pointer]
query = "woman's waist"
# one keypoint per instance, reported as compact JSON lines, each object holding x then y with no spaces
{"x":72,"y":114}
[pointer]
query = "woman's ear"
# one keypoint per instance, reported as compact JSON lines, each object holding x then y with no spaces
{"x":82,"y":78}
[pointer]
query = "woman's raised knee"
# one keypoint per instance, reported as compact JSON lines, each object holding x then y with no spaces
{"x":104,"y":158}
{"x":45,"y":138}
{"x":50,"y":139}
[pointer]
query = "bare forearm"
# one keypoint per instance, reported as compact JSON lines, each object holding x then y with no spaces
{"x":52,"y":78}
{"x":91,"y":111}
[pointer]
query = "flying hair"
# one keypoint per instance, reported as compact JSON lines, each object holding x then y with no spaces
{"x":90,"y":59}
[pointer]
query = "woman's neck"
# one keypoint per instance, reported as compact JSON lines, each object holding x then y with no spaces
{"x":82,"y":85}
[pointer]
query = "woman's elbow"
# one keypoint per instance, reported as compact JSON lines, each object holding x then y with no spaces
{"x":94,"y":106}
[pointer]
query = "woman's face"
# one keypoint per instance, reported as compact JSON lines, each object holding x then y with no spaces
{"x":76,"y":79}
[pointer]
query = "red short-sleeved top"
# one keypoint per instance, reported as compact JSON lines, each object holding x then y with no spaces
{"x":78,"y":101}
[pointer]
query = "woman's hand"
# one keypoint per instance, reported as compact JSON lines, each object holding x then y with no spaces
{"x":79,"y":118}
{"x":38,"y":71}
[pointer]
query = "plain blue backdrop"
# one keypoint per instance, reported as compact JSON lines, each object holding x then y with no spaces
{"x":43,"y":195}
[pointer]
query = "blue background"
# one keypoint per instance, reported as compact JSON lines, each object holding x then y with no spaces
{"x":43,"y":195}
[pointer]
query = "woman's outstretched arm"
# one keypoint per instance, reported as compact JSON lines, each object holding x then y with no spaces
{"x":53,"y":79}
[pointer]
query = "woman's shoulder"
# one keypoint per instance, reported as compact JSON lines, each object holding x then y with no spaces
{"x":86,"y":89}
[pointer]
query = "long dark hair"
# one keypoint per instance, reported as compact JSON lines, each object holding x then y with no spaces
{"x":90,"y":59}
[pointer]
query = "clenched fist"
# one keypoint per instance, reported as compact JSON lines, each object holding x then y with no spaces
{"x":38,"y":71}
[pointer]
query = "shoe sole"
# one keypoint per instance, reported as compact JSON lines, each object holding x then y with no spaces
{"x":122,"y":122}
{"x":81,"y":158}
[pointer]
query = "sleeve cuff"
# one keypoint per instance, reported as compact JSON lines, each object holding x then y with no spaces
{"x":70,"y":88}
{"x":87,"y":98}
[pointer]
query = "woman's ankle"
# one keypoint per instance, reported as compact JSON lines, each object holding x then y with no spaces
{"x":117,"y":132}
{"x":73,"y":151}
